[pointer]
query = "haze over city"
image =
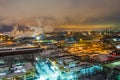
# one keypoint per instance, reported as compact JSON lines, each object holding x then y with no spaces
{"x":73,"y":14}
{"x":59,"y":40}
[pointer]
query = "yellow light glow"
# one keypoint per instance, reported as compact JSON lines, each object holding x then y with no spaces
{"x":9,"y":42}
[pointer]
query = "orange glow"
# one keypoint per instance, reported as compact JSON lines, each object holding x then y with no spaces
{"x":85,"y":27}
{"x":9,"y":42}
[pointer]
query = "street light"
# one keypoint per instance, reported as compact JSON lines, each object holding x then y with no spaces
{"x":38,"y":38}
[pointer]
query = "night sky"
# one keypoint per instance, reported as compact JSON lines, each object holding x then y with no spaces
{"x":82,"y":14}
